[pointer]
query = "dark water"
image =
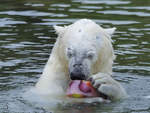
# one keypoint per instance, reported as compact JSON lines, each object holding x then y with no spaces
{"x":27,"y":37}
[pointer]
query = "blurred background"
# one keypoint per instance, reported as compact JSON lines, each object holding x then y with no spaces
{"x":27,"y":37}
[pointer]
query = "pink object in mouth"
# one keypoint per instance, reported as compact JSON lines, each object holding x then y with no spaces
{"x":81,"y":89}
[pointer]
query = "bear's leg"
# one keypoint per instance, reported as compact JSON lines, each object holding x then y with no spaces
{"x":108,"y":86}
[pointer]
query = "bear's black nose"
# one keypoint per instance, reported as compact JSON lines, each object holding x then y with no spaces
{"x":77,"y":73}
{"x":77,"y":76}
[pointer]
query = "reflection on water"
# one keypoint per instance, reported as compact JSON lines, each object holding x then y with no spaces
{"x":27,"y":37}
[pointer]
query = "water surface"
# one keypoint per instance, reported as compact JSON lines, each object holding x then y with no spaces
{"x":27,"y":37}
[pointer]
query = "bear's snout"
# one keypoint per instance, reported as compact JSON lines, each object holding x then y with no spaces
{"x":77,"y":72}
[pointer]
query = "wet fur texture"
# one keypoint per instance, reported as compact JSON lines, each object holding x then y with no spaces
{"x":84,"y":37}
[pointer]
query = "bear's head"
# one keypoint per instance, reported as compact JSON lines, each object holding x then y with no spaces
{"x":85,"y":48}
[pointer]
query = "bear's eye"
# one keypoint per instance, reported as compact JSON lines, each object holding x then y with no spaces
{"x":70,"y":53}
{"x":90,"y":55}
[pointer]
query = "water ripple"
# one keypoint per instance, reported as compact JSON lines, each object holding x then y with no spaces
{"x":7,"y":22}
{"x":138,"y":7}
{"x":108,"y":2}
{"x":121,"y":12}
{"x":32,"y":13}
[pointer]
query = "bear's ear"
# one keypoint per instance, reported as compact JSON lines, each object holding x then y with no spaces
{"x":59,"y":30}
{"x":110,"y":31}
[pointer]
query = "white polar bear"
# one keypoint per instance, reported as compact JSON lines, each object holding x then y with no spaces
{"x":83,"y":50}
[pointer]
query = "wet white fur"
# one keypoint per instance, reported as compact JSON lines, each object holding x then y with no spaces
{"x":55,"y":77}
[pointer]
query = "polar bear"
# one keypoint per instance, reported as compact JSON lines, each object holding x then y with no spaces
{"x":82,"y":51}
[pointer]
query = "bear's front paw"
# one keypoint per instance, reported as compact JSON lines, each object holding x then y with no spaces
{"x":107,"y":86}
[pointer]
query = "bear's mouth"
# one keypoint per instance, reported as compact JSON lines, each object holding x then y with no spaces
{"x":77,"y":76}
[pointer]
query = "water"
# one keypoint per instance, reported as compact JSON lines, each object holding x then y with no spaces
{"x":27,"y":37}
